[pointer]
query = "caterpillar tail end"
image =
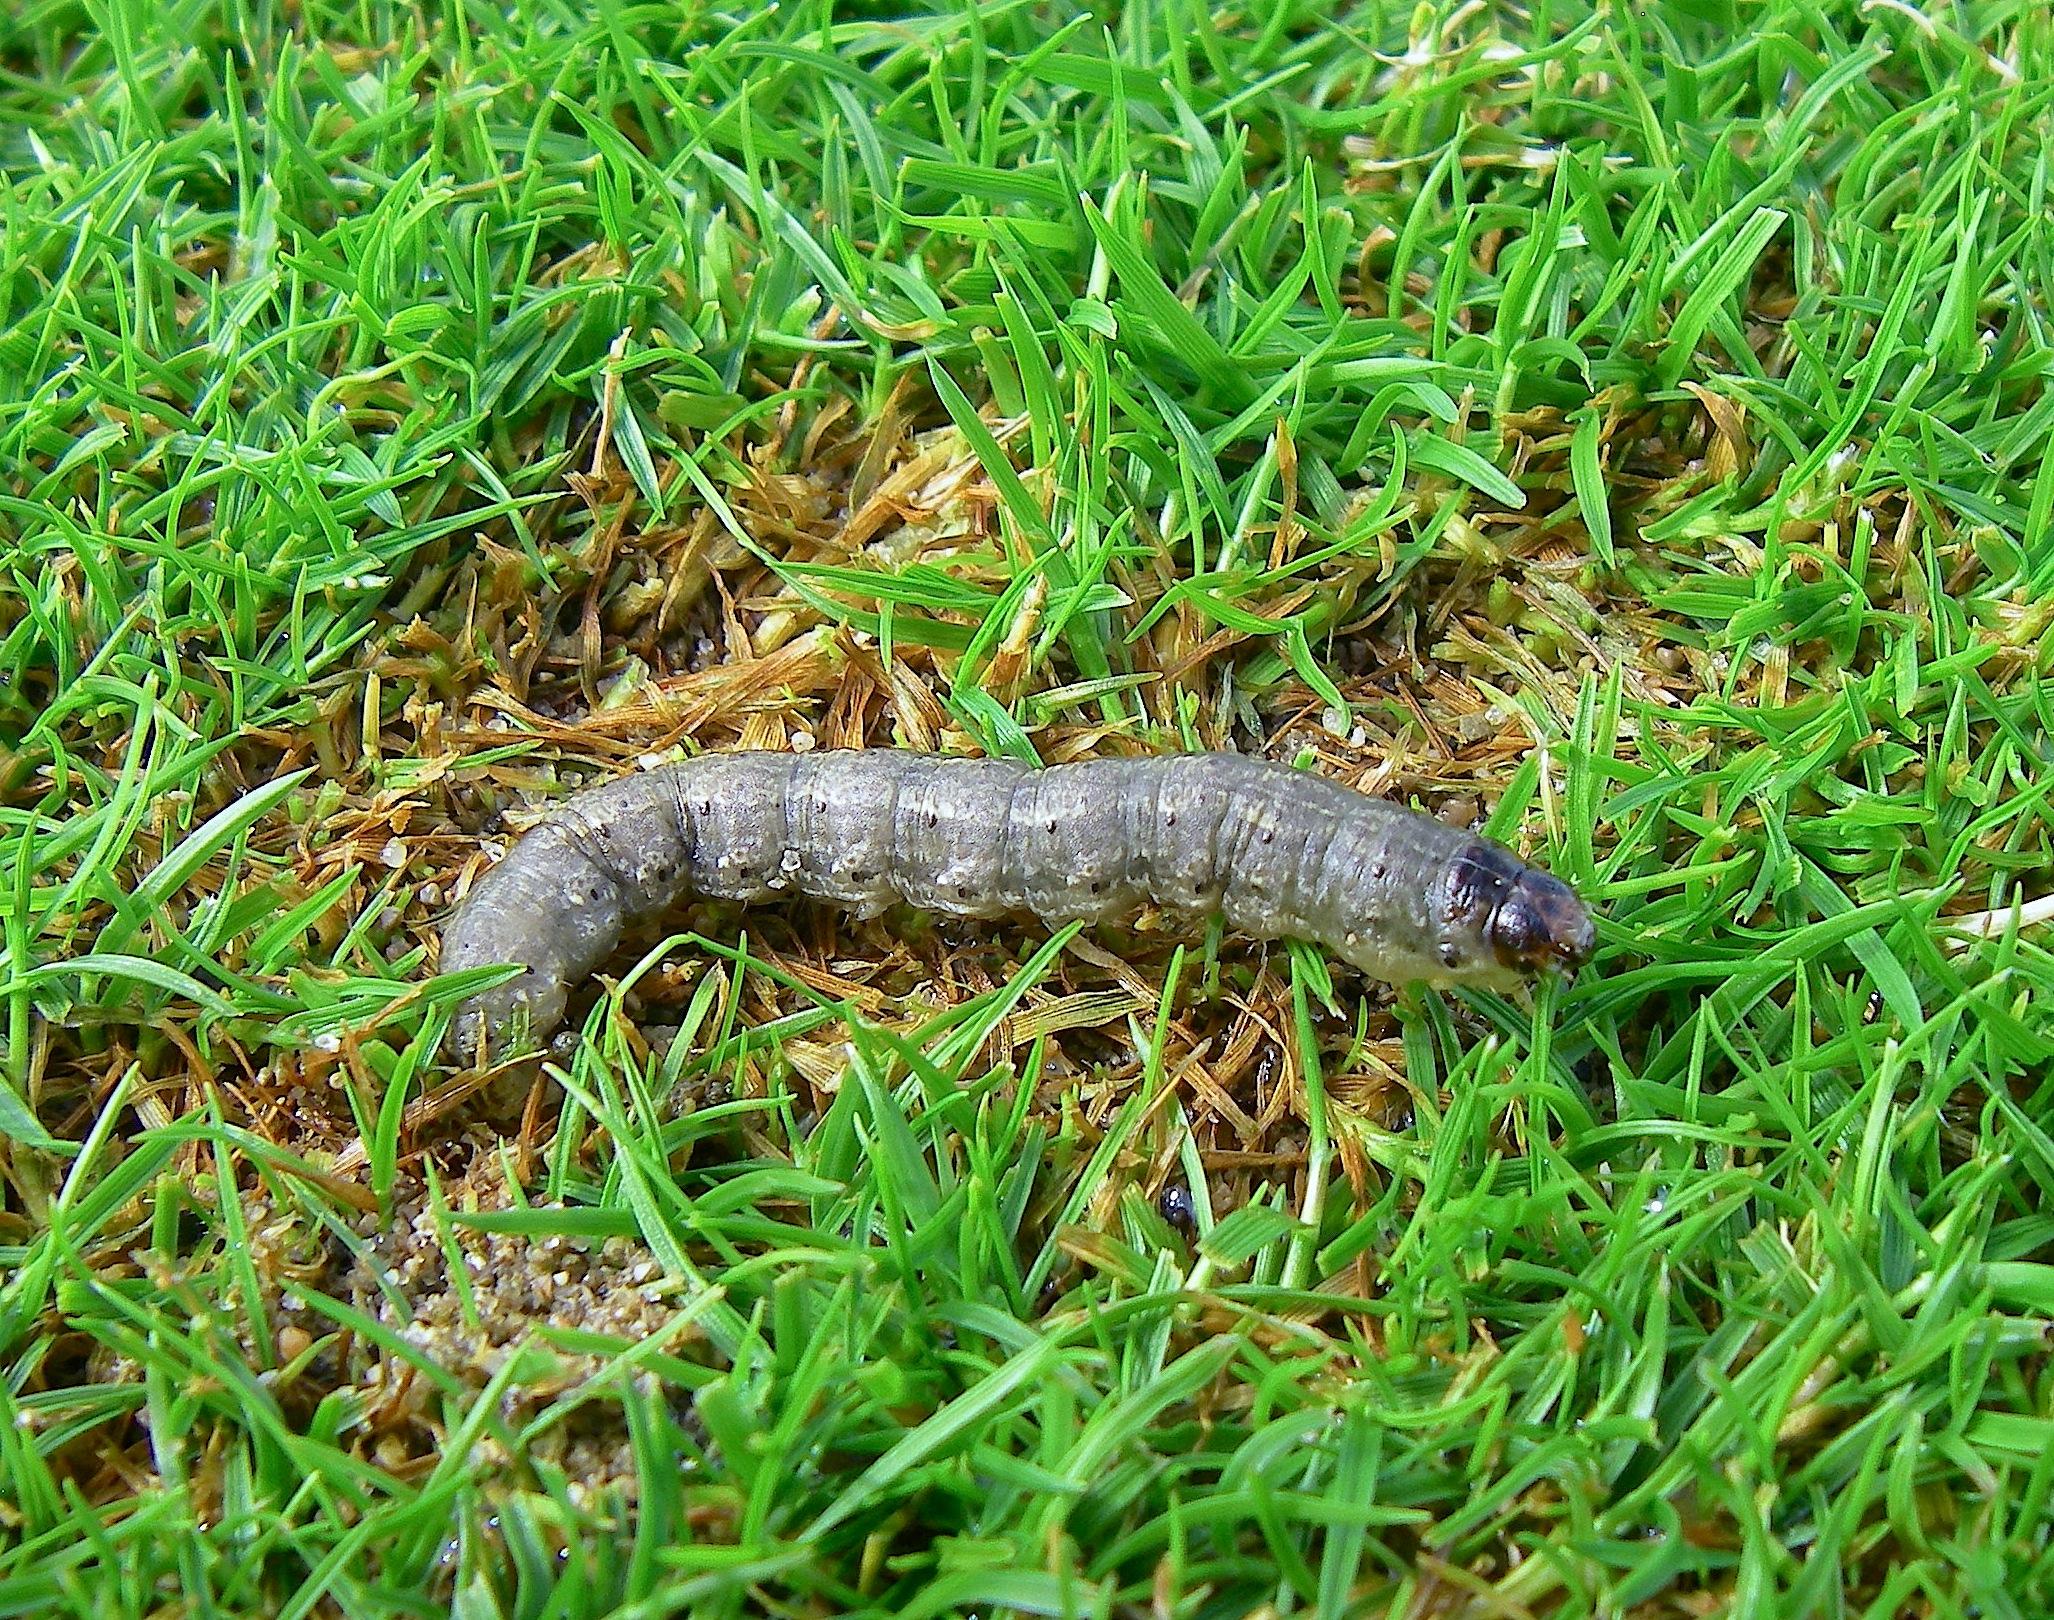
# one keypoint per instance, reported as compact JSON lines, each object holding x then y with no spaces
{"x":508,"y":1017}
{"x":511,"y":1017}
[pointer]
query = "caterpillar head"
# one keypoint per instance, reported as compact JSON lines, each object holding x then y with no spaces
{"x":1529,"y":921}
{"x":1540,"y":924}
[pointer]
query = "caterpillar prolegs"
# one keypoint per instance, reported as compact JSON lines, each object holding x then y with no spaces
{"x":1276,"y":852}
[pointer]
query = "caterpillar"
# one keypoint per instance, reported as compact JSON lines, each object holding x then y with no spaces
{"x":1276,"y":852}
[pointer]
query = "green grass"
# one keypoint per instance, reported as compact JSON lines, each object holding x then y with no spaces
{"x":1629,"y":424}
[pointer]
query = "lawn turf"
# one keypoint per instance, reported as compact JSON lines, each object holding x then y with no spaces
{"x":1624,"y":428}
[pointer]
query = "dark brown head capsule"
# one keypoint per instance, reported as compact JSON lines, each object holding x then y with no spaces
{"x":1530,"y":920}
{"x":1541,"y":924}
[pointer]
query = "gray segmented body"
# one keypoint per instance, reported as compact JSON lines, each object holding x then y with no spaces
{"x":1275,"y":851}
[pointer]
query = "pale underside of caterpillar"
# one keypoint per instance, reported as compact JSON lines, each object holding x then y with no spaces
{"x":1277,"y":852}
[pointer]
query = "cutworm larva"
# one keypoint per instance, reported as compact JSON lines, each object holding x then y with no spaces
{"x":1274,"y":851}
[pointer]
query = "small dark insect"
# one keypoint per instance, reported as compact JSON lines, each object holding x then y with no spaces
{"x":1277,"y":852}
{"x":1177,"y":1208}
